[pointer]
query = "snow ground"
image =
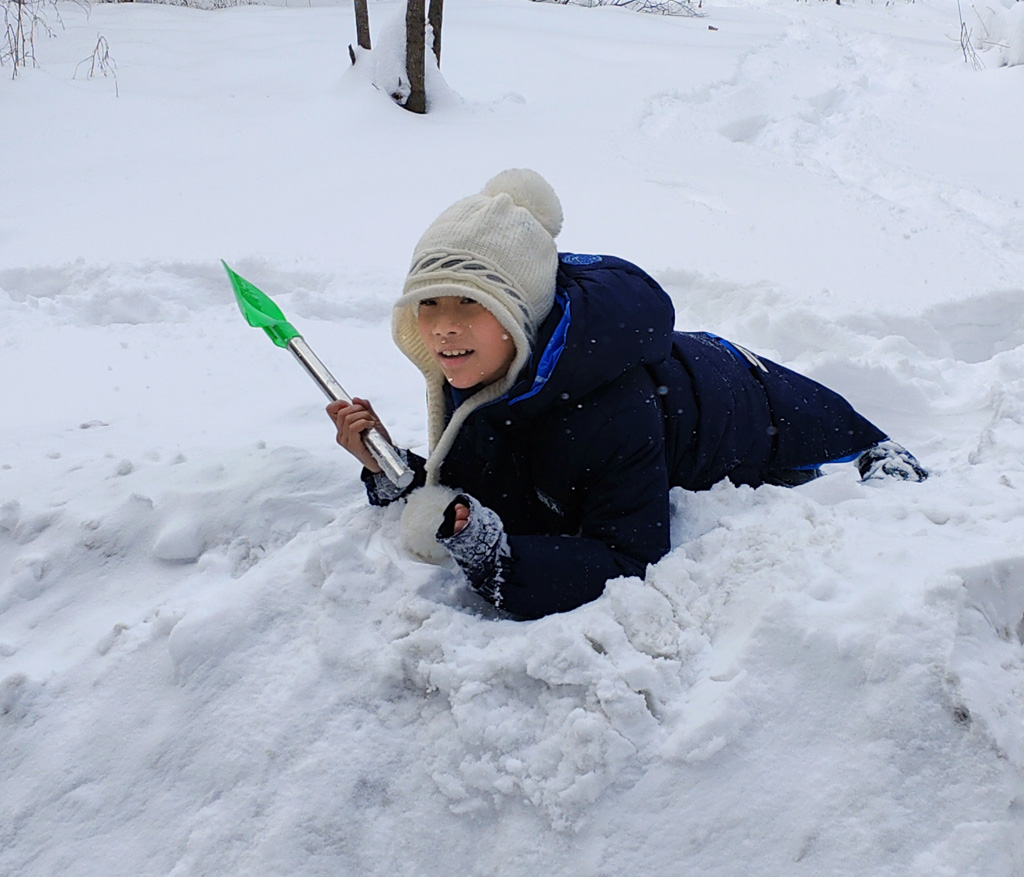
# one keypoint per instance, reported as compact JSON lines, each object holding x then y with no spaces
{"x":216,"y":659}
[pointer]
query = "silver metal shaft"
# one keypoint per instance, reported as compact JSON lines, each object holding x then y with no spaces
{"x":393,"y":466}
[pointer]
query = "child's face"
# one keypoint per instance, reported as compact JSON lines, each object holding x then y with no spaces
{"x":466,"y":340}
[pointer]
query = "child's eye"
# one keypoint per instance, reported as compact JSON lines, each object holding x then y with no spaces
{"x":466,"y":300}
{"x":428,"y":303}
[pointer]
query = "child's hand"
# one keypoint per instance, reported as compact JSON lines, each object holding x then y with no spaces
{"x":461,"y":518}
{"x":352,"y":421}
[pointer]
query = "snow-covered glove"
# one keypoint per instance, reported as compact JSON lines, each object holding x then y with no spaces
{"x":381,"y":491}
{"x":890,"y":459}
{"x":480,"y":548}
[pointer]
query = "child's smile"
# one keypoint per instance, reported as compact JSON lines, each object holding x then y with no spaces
{"x":466,"y":339}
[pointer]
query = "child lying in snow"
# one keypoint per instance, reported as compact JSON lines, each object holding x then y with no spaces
{"x":562,"y":406}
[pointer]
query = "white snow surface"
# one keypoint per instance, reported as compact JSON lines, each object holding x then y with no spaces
{"x":215,"y":658}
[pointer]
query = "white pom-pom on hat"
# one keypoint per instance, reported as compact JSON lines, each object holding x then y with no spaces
{"x":529,"y":190}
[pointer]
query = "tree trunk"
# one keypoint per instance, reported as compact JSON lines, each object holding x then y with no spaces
{"x":415,"y":25}
{"x":434,"y":16}
{"x":362,"y":25}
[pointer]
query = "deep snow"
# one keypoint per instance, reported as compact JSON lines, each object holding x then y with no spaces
{"x":216,"y":659}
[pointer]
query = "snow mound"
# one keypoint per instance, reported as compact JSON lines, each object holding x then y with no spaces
{"x":1002,"y":32}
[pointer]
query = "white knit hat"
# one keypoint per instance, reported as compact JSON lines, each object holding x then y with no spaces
{"x":498,"y":248}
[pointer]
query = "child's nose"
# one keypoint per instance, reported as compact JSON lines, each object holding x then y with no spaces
{"x":447,"y":326}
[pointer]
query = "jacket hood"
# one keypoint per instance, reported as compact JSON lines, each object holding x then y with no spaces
{"x":609,"y":317}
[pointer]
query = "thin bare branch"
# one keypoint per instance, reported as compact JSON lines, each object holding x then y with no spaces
{"x":101,"y":62}
{"x":655,"y":7}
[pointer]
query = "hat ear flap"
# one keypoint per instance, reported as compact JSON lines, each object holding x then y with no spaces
{"x":421,"y":519}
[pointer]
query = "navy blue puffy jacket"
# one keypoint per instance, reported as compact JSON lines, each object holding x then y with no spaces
{"x":613,"y":409}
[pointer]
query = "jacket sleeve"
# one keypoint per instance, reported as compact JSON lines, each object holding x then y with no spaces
{"x":624,"y":526}
{"x":379,"y":489}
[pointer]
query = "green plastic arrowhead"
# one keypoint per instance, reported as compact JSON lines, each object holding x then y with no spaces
{"x":259,"y":311}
